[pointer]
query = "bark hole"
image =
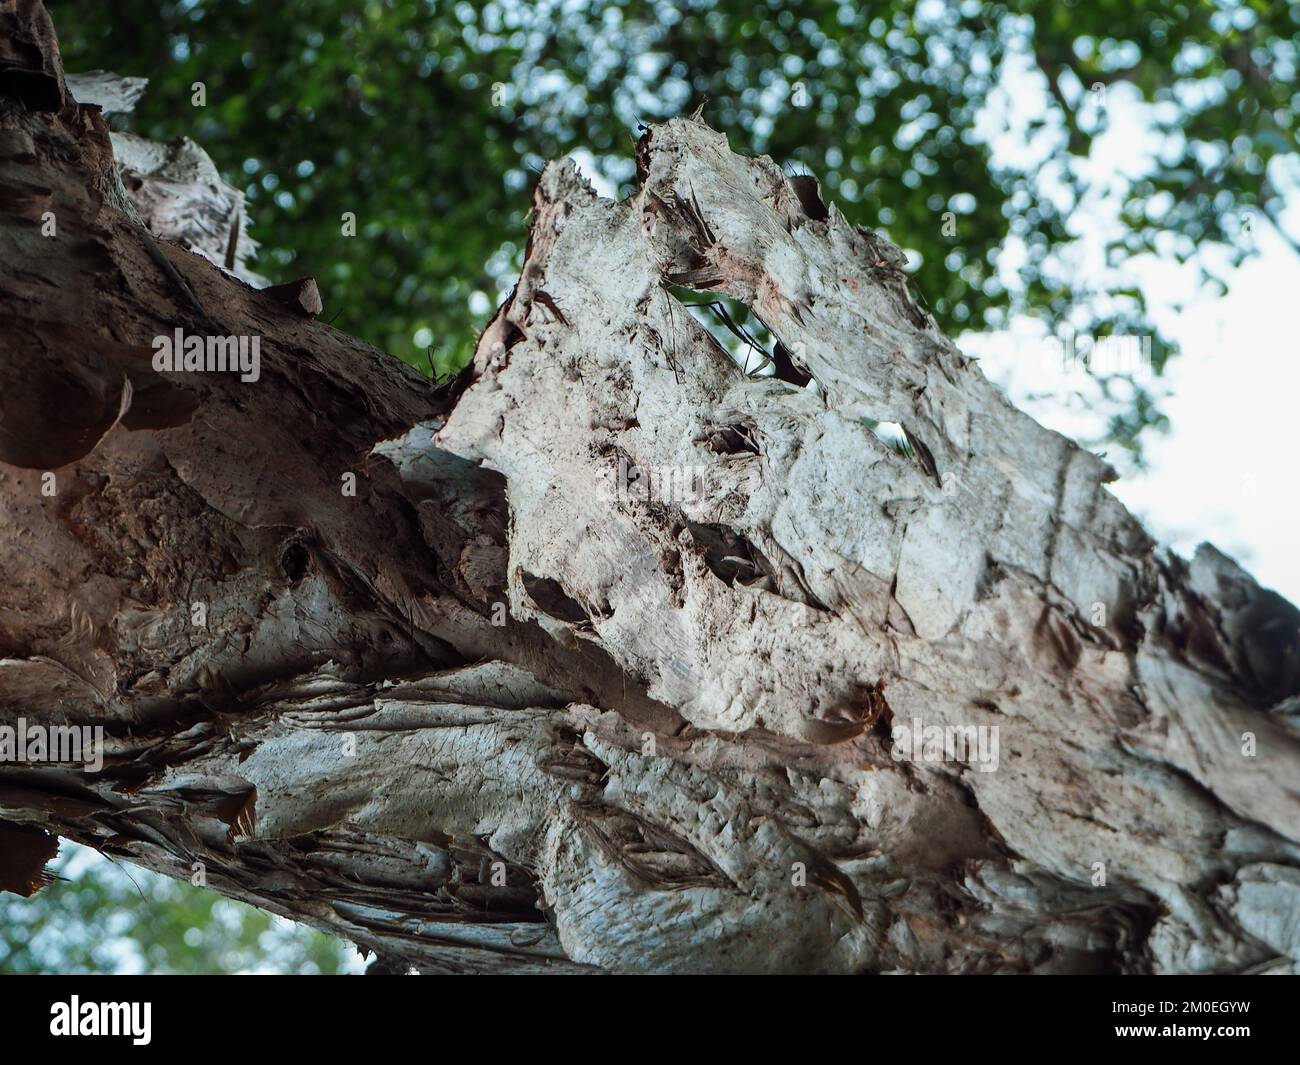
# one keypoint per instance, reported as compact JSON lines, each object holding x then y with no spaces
{"x":294,"y":560}
{"x":551,"y":598}
{"x":786,"y":368}
{"x":810,"y":197}
{"x":729,"y":555}
{"x":731,"y":440}
{"x":732,"y":333}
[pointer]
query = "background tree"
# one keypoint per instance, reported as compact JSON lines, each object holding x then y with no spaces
{"x":105,"y":917}
{"x":430,"y":119}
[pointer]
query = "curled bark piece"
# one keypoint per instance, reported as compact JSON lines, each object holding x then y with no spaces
{"x":302,"y":295}
{"x":24,"y":853}
{"x":180,"y":196}
{"x":111,"y":93}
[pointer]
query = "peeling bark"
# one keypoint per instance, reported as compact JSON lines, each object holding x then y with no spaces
{"x":600,"y":669}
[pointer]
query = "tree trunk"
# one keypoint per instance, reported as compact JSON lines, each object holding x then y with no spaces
{"x":619,"y":658}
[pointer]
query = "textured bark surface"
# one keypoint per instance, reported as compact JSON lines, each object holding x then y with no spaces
{"x":501,"y":711}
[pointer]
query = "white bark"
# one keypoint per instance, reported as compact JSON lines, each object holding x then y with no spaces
{"x":968,"y":604}
{"x":175,"y":189}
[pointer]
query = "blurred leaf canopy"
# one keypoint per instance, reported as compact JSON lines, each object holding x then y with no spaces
{"x":425,"y":118}
{"x":111,"y":918}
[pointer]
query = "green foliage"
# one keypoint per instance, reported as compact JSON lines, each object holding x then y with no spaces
{"x":425,"y":118}
{"x":111,"y":918}
{"x":388,"y":109}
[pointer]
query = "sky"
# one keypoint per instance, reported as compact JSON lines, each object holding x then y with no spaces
{"x":1225,"y":472}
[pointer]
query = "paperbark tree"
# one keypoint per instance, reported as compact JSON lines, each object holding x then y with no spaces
{"x":618,"y":657}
